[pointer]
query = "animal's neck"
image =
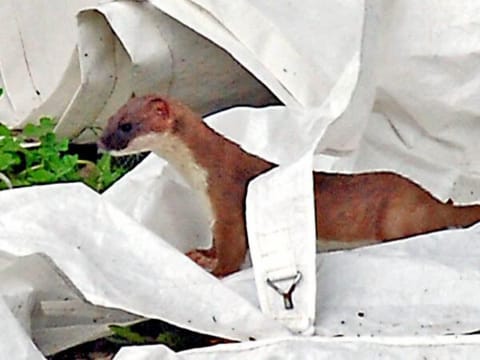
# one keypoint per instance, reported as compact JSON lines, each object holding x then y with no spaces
{"x":174,"y":149}
{"x":186,"y":146}
{"x":212,"y":151}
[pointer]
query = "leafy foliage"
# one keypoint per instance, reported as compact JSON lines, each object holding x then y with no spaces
{"x":103,"y":173}
{"x":125,"y":335}
{"x":37,"y":156}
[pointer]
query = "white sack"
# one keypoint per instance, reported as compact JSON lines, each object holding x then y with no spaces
{"x":461,"y":348}
{"x":423,"y":125}
{"x":38,"y":41}
{"x":123,"y":47}
{"x":423,"y":286}
{"x":14,"y":340}
{"x":424,"y":128}
{"x":103,"y":251}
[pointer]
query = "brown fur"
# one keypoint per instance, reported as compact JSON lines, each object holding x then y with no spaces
{"x":368,"y":208}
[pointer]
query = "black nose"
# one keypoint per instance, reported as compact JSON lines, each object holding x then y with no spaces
{"x":113,"y":141}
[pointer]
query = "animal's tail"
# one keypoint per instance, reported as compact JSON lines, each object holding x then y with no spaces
{"x":461,"y":216}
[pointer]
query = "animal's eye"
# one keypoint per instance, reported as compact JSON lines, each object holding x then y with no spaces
{"x":126,"y":127}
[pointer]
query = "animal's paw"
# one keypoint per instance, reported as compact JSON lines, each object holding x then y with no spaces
{"x":205,"y":258}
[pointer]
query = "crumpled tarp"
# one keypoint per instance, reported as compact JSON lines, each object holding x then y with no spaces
{"x":384,"y":86}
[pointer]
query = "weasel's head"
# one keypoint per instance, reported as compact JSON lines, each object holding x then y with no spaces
{"x":131,"y":129}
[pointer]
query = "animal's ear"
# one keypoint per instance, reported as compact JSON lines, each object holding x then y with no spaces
{"x":133,"y":95}
{"x":159,"y":112}
{"x":160,"y":107}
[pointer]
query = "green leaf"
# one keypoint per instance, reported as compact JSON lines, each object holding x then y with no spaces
{"x":104,"y":164}
{"x":44,"y":127}
{"x":1,"y":91}
{"x":49,"y":161}
{"x":32,"y":157}
{"x":128,"y":334}
{"x":69,"y":168}
{"x":62,"y":144}
{"x":168,"y":338}
{"x":47,"y":123}
{"x":40,"y":176}
{"x":70,"y":161}
{"x":4,"y":131}
{"x":8,"y":160}
{"x":9,"y":144}
{"x":104,"y":176}
{"x":49,"y":140}
{"x":54,"y":164}
{"x":31,"y":130}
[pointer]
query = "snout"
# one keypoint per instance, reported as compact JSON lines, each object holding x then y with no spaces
{"x":101,"y":145}
{"x":113,"y":141}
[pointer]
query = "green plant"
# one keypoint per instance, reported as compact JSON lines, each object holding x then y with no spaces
{"x":36,"y":156}
{"x":125,"y":335}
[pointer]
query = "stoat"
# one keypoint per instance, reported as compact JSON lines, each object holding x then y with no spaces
{"x":351,"y":210}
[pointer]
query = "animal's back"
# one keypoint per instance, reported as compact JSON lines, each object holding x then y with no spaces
{"x":367,"y":208}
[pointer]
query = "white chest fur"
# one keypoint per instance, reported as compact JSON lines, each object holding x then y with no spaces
{"x":172,"y":149}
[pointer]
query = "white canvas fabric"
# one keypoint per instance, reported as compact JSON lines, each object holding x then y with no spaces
{"x":356,"y":86}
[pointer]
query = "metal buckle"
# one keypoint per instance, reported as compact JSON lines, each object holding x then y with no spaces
{"x":287,"y":295}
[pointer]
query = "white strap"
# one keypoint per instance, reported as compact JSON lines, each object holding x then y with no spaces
{"x":280,"y":204}
{"x":282,"y":243}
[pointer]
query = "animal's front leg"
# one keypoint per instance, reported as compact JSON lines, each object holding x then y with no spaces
{"x":229,"y":246}
{"x":205,"y":258}
{"x":230,"y":243}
